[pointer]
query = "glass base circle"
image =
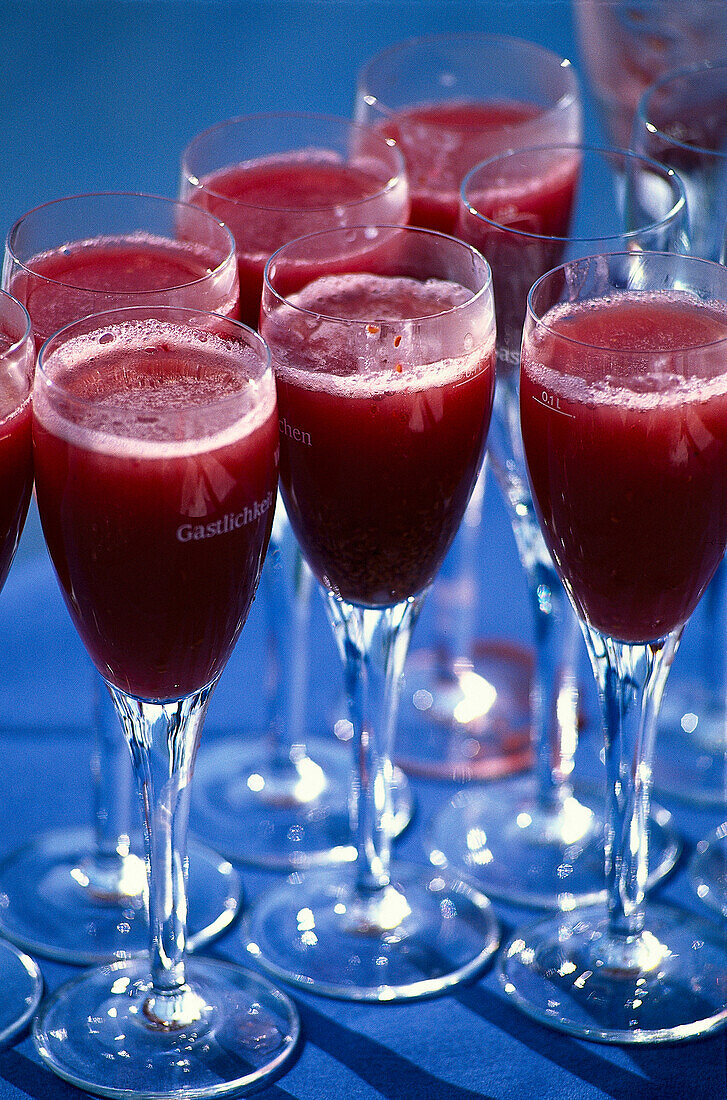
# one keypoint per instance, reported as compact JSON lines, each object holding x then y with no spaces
{"x":293,"y":818}
{"x":95,"y":1032}
{"x":691,"y":763}
{"x":514,"y":852}
{"x":52,"y":909}
{"x":708,"y":870}
{"x":466,"y":718}
{"x":421,"y":935}
{"x":667,"y":984}
{"x":21,"y":984}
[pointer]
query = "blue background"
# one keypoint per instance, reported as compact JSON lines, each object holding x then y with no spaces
{"x":104,"y":95}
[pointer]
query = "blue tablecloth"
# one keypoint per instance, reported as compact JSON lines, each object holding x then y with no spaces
{"x":104,"y":95}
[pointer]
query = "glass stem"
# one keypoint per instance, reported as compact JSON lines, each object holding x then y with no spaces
{"x":113,"y":873}
{"x":288,"y":615}
{"x":455,"y":596}
{"x":373,"y":644}
{"x":713,"y":657}
{"x":631,"y":680}
{"x":163,"y":739}
{"x":554,"y":692}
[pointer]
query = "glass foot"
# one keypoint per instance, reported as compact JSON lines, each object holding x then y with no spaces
{"x":295,"y":817}
{"x":691,"y":763}
{"x":666,"y":984}
{"x":50,"y":906}
{"x":421,"y":935}
{"x":499,"y":838}
{"x":98,"y":1033}
{"x":466,"y":718}
{"x":22,"y":985}
{"x":708,"y":869}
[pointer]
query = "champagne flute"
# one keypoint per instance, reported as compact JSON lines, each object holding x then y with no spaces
{"x":385,"y":376}
{"x":79,"y":895}
{"x":155,"y":442}
{"x":450,"y":101}
{"x":534,"y":840}
{"x":682,"y":120}
{"x":271,"y":177}
{"x":20,"y":978}
{"x":622,"y":403}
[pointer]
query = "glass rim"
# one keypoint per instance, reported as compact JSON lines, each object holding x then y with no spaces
{"x":692,"y":69}
{"x":108,"y":317}
{"x":692,"y":261}
{"x":663,"y":170}
{"x":16,"y":345}
{"x":229,"y":257}
{"x":408,"y":229}
{"x":564,"y":101}
{"x":345,"y":123}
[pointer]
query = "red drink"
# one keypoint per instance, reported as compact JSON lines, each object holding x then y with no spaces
{"x":156,"y":528}
{"x":380,"y":444}
{"x":104,"y":273}
{"x":271,"y":200}
{"x":528,"y":201}
{"x":16,"y":452}
{"x":16,"y":465}
{"x":629,"y":468}
{"x":441,"y":142}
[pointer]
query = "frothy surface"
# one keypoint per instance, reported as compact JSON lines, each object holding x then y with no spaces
{"x":133,"y":262}
{"x":154,"y":389}
{"x":307,"y":179}
{"x":655,"y":337}
{"x":359,"y":334}
{"x":442,"y":141}
{"x":367,"y":297}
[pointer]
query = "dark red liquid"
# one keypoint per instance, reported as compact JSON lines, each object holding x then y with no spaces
{"x":270,"y":201}
{"x":16,"y":478}
{"x":541,"y":205}
{"x":380,"y":448}
{"x":629,"y":470}
{"x":158,"y":545}
{"x":107,"y":273}
{"x":441,"y":142}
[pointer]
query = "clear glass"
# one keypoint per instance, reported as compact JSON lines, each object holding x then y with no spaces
{"x":79,"y":895}
{"x":272,"y":177}
{"x":385,"y":377}
{"x":278,"y":175}
{"x":450,"y":101}
{"x":623,"y":356}
{"x":682,"y":120}
{"x":536,"y":840}
{"x":156,"y":478}
{"x":626,"y":45}
{"x":20,"y":979}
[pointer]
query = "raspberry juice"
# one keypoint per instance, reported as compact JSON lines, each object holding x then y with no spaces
{"x":103,"y":273}
{"x":156,"y":474}
{"x":269,"y":201}
{"x":381,"y":440}
{"x":16,"y":458}
{"x":521,"y":227}
{"x":441,"y":142}
{"x":627,"y":454}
